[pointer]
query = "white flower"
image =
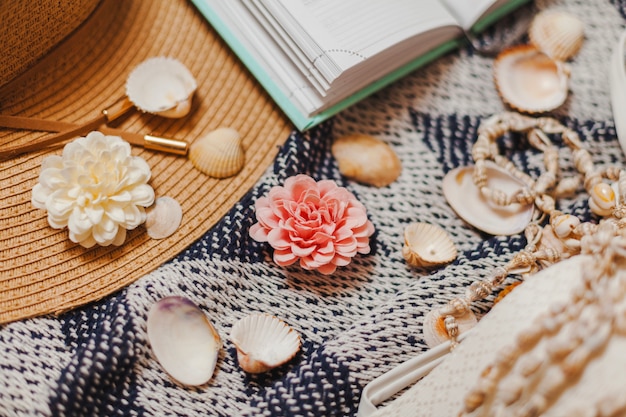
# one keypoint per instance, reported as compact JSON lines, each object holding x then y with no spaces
{"x":96,"y":188}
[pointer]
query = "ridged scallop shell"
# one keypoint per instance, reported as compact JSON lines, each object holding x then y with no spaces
{"x":366,"y":159}
{"x":163,"y":217}
{"x":427,"y":245}
{"x":558,"y":34}
{"x":219,"y":154}
{"x":263,"y":342}
{"x":529,"y":80}
{"x":467,"y":201}
{"x":183,"y":340}
{"x":162,"y":86}
{"x":434,"y":327}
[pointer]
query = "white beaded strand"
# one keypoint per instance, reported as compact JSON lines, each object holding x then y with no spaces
{"x":573,"y":334}
{"x":561,"y":237}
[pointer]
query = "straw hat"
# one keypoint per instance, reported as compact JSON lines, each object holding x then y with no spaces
{"x":66,"y":61}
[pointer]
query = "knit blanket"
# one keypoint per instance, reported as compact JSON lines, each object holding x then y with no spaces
{"x":355,"y":324}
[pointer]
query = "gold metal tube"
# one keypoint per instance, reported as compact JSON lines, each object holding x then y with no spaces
{"x":174,"y":146}
{"x":116,"y":110}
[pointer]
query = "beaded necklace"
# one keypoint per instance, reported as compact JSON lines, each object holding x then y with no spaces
{"x":527,"y":377}
{"x":574,"y":331}
{"x":561,"y":237}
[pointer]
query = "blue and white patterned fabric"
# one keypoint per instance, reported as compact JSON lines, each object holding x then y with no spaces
{"x":356,"y":324}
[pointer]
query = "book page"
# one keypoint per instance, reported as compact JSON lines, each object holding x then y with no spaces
{"x":336,"y":35}
{"x":467,"y":12}
{"x":273,"y":69}
{"x":277,"y":33}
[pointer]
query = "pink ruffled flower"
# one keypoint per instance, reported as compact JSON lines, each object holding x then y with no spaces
{"x":318,"y":223}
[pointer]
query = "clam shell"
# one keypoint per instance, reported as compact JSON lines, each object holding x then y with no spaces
{"x":466,"y":200}
{"x":183,"y":340}
{"x":162,"y":86}
{"x":529,"y":80}
{"x":263,"y":342}
{"x":219,"y":154}
{"x":427,"y":245}
{"x":558,"y":34}
{"x":163,"y":217}
{"x":366,"y":159}
{"x":434,"y":328}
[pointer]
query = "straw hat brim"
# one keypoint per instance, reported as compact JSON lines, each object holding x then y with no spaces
{"x":41,"y":270}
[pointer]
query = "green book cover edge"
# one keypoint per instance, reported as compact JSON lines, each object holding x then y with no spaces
{"x":303,"y":122}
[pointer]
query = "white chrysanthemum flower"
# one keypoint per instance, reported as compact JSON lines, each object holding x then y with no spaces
{"x":96,"y":188}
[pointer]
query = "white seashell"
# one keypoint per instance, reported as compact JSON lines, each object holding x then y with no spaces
{"x":162,"y":86}
{"x":529,"y":80}
{"x":183,"y":340}
{"x":602,"y":199}
{"x":434,"y":328}
{"x":219,"y":154}
{"x":163,"y":217}
{"x":565,"y":224}
{"x":466,"y":200}
{"x":263,"y":342}
{"x":427,"y":245}
{"x":366,"y":159}
{"x":558,"y":34}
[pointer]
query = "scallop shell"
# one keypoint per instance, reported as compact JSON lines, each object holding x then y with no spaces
{"x":162,"y":86}
{"x":366,"y":159}
{"x":558,"y":34}
{"x":529,"y":80}
{"x":427,"y":245}
{"x":466,"y":200}
{"x":163,"y":217}
{"x":434,"y":328}
{"x":263,"y":342}
{"x":219,"y":154}
{"x":183,"y":340}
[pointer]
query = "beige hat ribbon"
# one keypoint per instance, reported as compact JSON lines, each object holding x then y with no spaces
{"x":64,"y":130}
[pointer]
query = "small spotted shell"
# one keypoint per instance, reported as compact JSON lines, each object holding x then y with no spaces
{"x":219,"y":154}
{"x":530,"y":81}
{"x":564,"y":224}
{"x":602,"y":199}
{"x":427,"y":245}
{"x":434,"y":327}
{"x":558,"y":34}
{"x":163,"y":86}
{"x":263,"y":342}
{"x":163,"y":217}
{"x":366,"y":159}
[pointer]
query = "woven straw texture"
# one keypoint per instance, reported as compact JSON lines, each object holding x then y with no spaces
{"x":27,"y":33}
{"x":41,"y":270}
{"x":365,"y":319}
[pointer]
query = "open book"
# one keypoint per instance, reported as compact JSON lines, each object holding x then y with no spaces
{"x":317,"y":57}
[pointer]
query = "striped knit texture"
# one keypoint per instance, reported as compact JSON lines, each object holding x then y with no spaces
{"x":356,"y":324}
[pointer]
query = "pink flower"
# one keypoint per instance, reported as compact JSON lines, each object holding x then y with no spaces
{"x":322,"y":225}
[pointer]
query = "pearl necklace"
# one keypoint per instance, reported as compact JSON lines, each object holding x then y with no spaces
{"x":561,"y":237}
